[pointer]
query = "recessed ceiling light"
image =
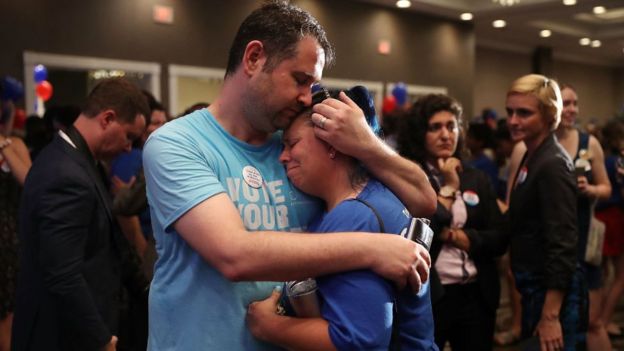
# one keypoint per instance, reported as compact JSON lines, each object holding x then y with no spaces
{"x":466,"y":16}
{"x":569,"y":2}
{"x":595,"y":43}
{"x":545,"y":33}
{"x":499,"y":24}
{"x":599,"y":10}
{"x":585,"y":41}
{"x":403,"y":4}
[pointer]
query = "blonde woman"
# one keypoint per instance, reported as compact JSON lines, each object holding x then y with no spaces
{"x":542,"y":220}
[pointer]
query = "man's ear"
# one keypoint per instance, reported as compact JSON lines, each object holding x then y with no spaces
{"x":106,"y":117}
{"x":254,"y":57}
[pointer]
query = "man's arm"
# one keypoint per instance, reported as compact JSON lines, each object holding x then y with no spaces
{"x":346,"y":129}
{"x":63,"y":229}
{"x":215,"y":230}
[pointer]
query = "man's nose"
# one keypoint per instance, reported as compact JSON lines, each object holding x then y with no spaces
{"x":305,"y":96}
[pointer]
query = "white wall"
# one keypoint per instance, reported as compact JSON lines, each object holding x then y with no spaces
{"x":595,"y":86}
{"x":494,"y":72}
{"x":193,"y":90}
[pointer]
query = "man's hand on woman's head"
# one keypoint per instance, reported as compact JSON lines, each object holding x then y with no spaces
{"x":344,"y":126}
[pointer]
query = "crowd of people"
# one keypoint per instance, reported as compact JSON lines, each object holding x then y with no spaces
{"x":123,"y":229}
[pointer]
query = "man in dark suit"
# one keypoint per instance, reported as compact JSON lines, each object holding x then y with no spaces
{"x":72,"y":257}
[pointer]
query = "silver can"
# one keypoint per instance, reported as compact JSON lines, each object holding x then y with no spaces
{"x":303,"y":298}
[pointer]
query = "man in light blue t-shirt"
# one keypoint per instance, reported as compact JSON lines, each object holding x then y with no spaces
{"x":222,"y":205}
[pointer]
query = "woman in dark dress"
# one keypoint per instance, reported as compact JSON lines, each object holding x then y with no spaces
{"x":14,"y":165}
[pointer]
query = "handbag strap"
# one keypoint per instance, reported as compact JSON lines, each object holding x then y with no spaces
{"x":382,"y":228}
{"x":395,"y":344}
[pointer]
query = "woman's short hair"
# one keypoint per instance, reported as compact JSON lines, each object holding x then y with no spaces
{"x":414,"y":124}
{"x":546,"y":91}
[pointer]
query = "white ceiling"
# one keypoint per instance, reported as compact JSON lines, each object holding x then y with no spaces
{"x":525,"y":20}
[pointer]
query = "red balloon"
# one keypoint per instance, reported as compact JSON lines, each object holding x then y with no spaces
{"x":389,"y":104}
{"x":44,"y":90}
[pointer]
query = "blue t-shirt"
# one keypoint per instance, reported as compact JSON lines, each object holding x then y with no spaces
{"x":358,"y":304}
{"x":127,"y":164}
{"x":192,"y":306}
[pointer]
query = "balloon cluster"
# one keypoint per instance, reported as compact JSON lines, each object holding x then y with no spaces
{"x":398,"y":98}
{"x":44,"y":89}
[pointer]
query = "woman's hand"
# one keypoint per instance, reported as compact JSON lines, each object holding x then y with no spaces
{"x":450,"y":168}
{"x":262,"y":316}
{"x":584,"y":187}
{"x":550,"y":334}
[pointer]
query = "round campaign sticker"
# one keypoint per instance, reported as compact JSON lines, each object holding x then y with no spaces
{"x":471,"y":198}
{"x":252,"y":177}
{"x":522,"y":175}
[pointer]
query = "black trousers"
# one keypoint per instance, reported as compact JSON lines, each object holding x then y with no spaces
{"x":462,"y":318}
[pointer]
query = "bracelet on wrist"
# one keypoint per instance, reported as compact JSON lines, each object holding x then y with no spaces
{"x":550,"y":317}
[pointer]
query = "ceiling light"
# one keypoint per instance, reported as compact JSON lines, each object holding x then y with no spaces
{"x":595,"y":43}
{"x":569,"y":2}
{"x":499,"y":24}
{"x":403,"y":4}
{"x":599,"y":10}
{"x":466,"y":16}
{"x":545,"y":33}
{"x":506,"y":2}
{"x":585,"y":41}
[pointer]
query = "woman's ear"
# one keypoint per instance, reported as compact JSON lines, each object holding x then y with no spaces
{"x":332,"y":152}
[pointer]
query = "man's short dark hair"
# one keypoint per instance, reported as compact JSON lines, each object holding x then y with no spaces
{"x":120,"y":95}
{"x":279,"y":26}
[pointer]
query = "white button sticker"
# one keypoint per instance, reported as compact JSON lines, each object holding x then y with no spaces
{"x":252,"y":177}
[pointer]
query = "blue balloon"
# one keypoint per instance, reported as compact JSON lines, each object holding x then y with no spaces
{"x":400,"y":93}
{"x":40,"y":73}
{"x":11,"y":89}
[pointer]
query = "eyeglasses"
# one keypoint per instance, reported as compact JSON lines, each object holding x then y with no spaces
{"x":451,"y":127}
